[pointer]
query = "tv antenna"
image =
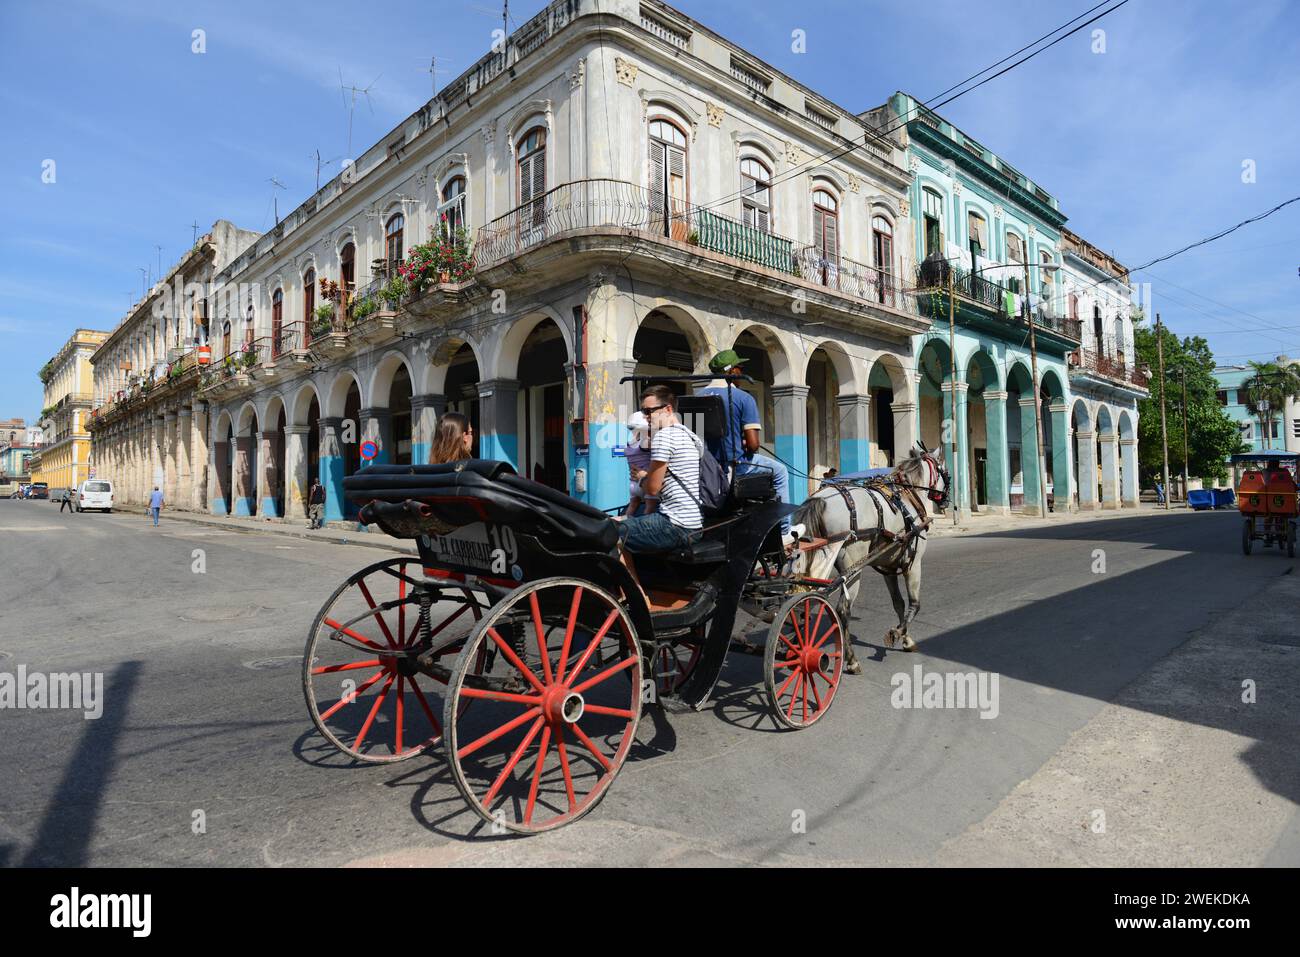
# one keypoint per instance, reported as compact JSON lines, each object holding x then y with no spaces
{"x":195,"y":226}
{"x":433,"y":71}
{"x":275,"y":205}
{"x":319,"y":163}
{"x":351,"y":104}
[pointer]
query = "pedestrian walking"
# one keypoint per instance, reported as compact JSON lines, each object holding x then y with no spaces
{"x":316,"y":504}
{"x":67,"y":501}
{"x":453,"y":439}
{"x":155,"y":504}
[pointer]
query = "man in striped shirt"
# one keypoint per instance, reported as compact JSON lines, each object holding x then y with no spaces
{"x":674,"y":476}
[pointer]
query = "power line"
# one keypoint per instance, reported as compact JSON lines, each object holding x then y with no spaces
{"x":835,"y":153}
{"x":1218,"y":235}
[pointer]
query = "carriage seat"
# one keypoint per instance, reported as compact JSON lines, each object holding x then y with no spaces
{"x":412,"y":500}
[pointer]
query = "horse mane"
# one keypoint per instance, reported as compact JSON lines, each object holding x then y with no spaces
{"x":911,"y":469}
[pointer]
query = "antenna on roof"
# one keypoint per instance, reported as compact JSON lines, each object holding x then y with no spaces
{"x":350,"y":104}
{"x":319,"y":163}
{"x":433,"y":71}
{"x":276,"y":184}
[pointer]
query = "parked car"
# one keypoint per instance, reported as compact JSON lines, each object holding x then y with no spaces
{"x":97,"y":494}
{"x":38,"y":490}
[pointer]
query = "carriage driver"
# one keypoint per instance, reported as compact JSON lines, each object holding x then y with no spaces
{"x":739,"y":446}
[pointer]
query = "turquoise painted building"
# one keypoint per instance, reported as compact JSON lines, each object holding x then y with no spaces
{"x":1257,"y":434}
{"x":983,"y":229}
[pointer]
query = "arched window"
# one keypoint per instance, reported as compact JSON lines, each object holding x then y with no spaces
{"x":1046,"y":287}
{"x":1097,"y":329}
{"x":393,"y":242}
{"x":882,"y":247}
{"x":347,"y":273}
{"x":451,"y":210}
{"x":826,"y":236}
{"x":308,"y":296}
{"x":668,"y":187}
{"x":277,"y":321}
{"x":532,"y":178}
{"x":977,"y":235}
{"x":932,"y":213}
{"x":225,"y":338}
{"x":1119,"y":339}
{"x":756,"y":193}
{"x":250,"y":323}
{"x":1074,"y":306}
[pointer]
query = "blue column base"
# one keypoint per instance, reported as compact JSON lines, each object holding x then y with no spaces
{"x":243,"y":507}
{"x":269,"y":508}
{"x":218,"y":506}
{"x":331,"y":478}
{"x":607,"y":475}
{"x":793,"y":451}
{"x":500,"y":448}
{"x":854,"y":455}
{"x":420,"y":453}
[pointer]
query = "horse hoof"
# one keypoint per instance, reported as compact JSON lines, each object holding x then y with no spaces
{"x":891,"y":638}
{"x":852,"y":666}
{"x":908,"y":643}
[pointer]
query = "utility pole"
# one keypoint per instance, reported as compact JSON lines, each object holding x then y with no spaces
{"x":1164,"y":433}
{"x":952,"y":396}
{"x":1039,"y":465}
{"x":1184,"y":371}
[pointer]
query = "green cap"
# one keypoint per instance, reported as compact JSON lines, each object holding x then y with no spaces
{"x":725,"y":360}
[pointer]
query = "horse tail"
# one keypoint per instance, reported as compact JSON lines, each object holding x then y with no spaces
{"x":812,"y":515}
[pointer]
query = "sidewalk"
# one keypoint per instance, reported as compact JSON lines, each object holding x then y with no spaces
{"x":977,"y":524}
{"x":341,"y":533}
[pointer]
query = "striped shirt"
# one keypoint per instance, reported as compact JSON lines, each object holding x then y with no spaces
{"x":676,"y":446}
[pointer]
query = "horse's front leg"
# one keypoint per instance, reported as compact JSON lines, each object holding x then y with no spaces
{"x":900,"y":609}
{"x":913,"y":603}
{"x":851,"y":664}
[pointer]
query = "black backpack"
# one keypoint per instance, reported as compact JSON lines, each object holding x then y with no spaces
{"x":714,"y":487}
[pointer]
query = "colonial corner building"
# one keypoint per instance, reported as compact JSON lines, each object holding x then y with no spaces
{"x":63,"y":460}
{"x":638,"y":194}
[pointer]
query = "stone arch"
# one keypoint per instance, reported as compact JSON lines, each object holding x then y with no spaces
{"x":338,"y":392}
{"x":247,"y":419}
{"x":672,"y":106}
{"x":825,"y":176}
{"x":505,"y":364}
{"x":687,"y":323}
{"x":753,"y":141}
{"x":847,"y":370}
{"x":779,"y":355}
{"x":893,"y":412}
{"x":299,"y":404}
{"x":381,"y":379}
{"x":434,"y":375}
{"x":1124,"y":425}
{"x":1050,"y":383}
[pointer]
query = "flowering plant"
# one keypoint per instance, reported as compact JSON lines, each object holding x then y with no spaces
{"x":445,"y":256}
{"x":329,"y":290}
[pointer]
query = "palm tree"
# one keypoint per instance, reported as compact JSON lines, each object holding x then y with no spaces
{"x":1267,"y":390}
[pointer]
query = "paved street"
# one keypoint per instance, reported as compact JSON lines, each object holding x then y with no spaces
{"x":1120,"y":692}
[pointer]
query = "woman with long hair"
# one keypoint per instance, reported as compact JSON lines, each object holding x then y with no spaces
{"x":453,"y":440}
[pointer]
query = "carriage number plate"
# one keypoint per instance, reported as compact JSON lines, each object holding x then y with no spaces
{"x":489,"y":548}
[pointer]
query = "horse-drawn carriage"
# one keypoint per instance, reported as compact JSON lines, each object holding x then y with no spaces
{"x":519,"y":642}
{"x":1267,"y":499}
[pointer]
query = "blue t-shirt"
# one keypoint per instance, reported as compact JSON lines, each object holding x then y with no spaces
{"x":743,"y":415}
{"x":156,"y":500}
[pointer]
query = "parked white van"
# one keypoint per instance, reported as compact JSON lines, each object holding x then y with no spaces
{"x":97,"y":493}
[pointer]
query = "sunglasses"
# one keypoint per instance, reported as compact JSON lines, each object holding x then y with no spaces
{"x":651,"y":409}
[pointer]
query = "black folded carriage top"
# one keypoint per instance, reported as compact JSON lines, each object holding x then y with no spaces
{"x":455,"y":494}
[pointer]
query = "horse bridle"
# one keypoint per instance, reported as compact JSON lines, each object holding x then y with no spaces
{"x":940,"y":497}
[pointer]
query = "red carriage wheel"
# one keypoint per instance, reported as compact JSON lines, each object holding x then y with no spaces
{"x":364,"y":691}
{"x":804,"y":660}
{"x":549,"y":729}
{"x":675,"y":663}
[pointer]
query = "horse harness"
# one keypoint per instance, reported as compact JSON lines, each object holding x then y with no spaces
{"x":893,"y":494}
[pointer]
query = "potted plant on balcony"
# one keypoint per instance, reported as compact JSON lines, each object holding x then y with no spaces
{"x":366,"y":306}
{"x":393,"y":292}
{"x":322,"y":319}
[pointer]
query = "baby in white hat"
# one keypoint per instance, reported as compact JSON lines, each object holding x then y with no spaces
{"x":637,"y":453}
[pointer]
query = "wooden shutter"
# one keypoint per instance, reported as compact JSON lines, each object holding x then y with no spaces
{"x":677,"y":191}
{"x":658,"y":188}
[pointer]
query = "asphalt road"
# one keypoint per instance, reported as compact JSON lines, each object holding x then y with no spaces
{"x":204,"y":711}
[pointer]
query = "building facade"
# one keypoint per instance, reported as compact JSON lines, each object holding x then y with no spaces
{"x":63,"y":459}
{"x":993,"y":237}
{"x":640,"y":195}
{"x":146,"y":371}
{"x":1105,"y":380}
{"x":1279,"y":430}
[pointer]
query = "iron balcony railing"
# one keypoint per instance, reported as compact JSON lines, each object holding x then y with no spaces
{"x":1112,"y":365}
{"x":932,"y":276}
{"x":292,"y":338}
{"x":597,"y":203}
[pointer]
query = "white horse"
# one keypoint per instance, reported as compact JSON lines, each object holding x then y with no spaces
{"x":874,"y":529}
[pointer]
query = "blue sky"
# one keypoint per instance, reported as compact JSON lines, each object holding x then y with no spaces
{"x":1143,"y":144}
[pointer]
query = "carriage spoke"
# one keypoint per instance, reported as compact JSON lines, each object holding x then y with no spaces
{"x":564,"y":766}
{"x":590,"y":746}
{"x":601,"y":709}
{"x":354,"y":695}
{"x":374,"y":710}
{"x":542,"y":651}
{"x":816,"y":697}
{"x":532,"y":699}
{"x":400,"y":708}
{"x":514,"y":759}
{"x":794,"y":697}
{"x":350,"y":666}
{"x":337,"y":626}
{"x":627,"y":662}
{"x":568,"y":629}
{"x":401,"y":604}
{"x":833,"y":629}
{"x":379,"y":615}
{"x":493,"y":735}
{"x":587,"y":652}
{"x":437,"y":727}
{"x":821,"y":610}
{"x":537,"y":772}
{"x":514,"y":660}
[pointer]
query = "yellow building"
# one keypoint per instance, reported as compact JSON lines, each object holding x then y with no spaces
{"x":64,"y":460}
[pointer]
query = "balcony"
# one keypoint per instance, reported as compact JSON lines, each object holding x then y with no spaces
{"x":617,"y":207}
{"x":994,"y":304}
{"x":1108,"y":365}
